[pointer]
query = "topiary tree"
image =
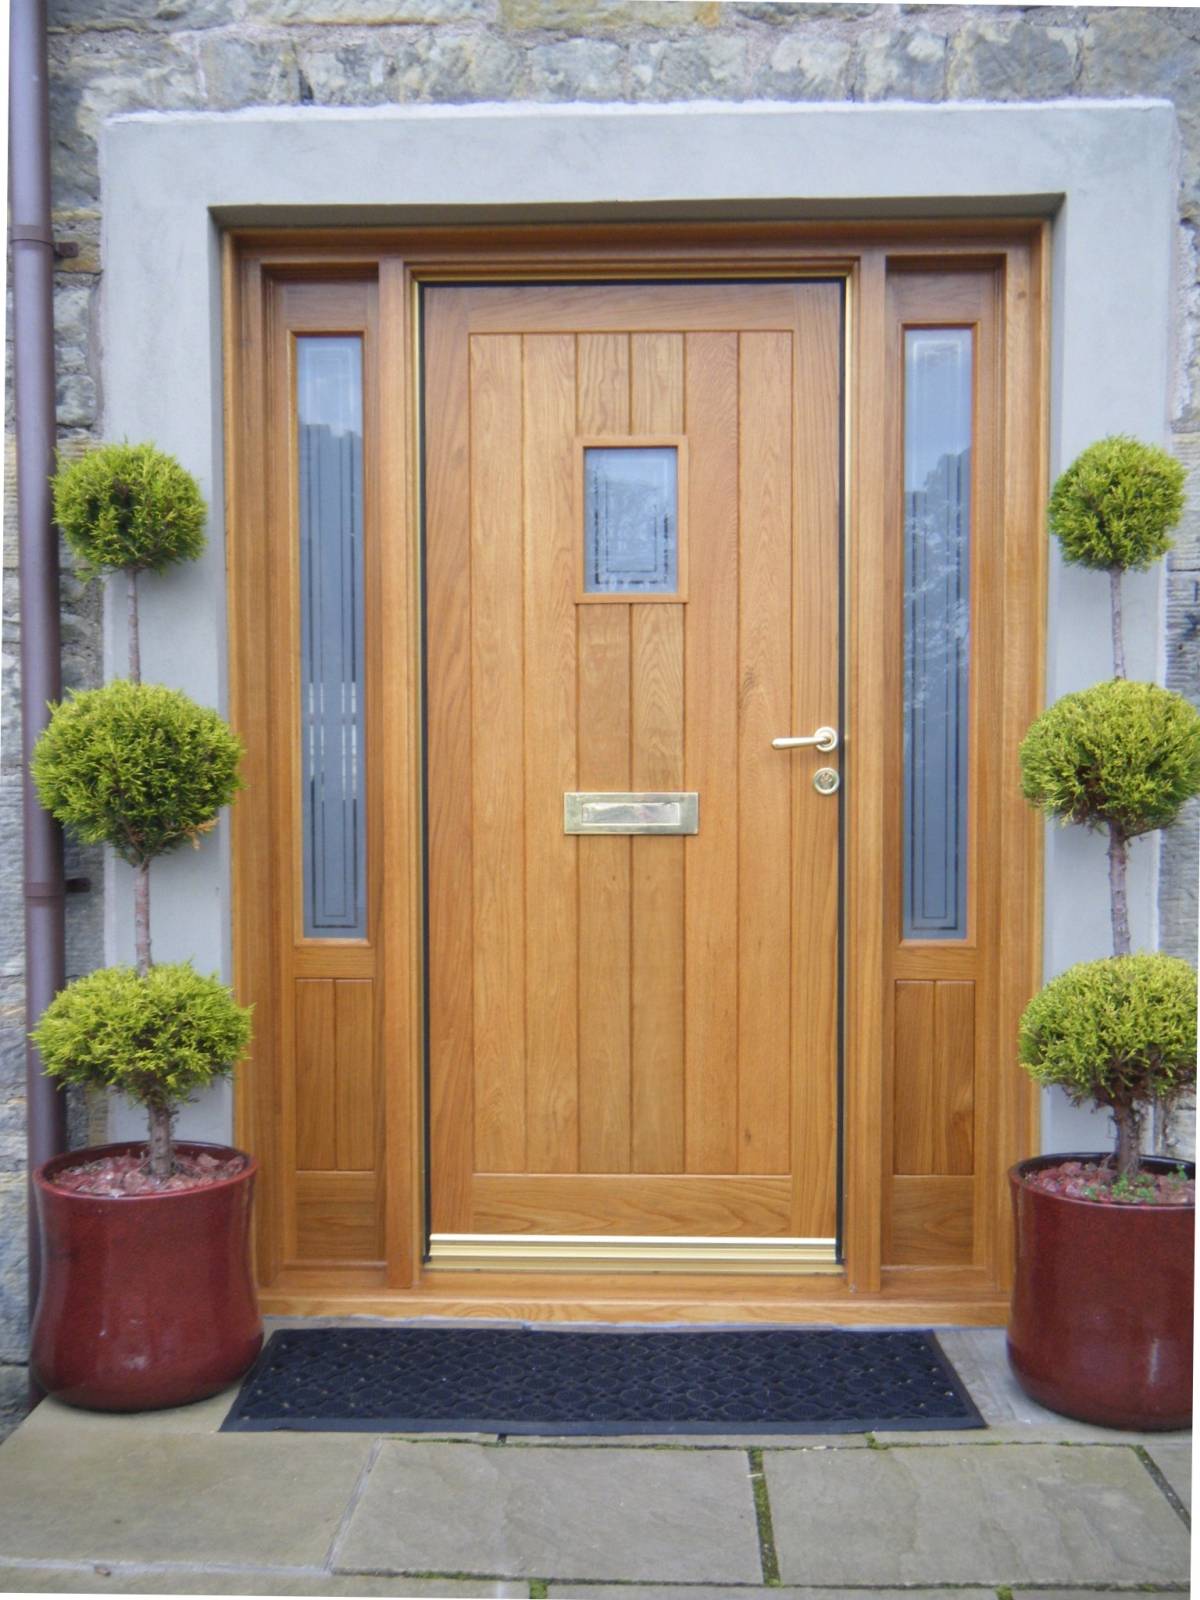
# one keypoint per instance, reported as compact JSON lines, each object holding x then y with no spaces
{"x":1123,"y":757}
{"x":129,"y":508}
{"x":140,"y":768}
{"x":1120,"y":756}
{"x":1113,"y":508}
{"x":155,"y":1036}
{"x":1120,"y":1032}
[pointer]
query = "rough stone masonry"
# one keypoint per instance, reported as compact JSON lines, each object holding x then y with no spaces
{"x":114,"y":56}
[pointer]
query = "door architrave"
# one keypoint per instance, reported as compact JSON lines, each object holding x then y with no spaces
{"x":863,"y":254}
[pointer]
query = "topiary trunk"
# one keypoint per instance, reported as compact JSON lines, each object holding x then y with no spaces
{"x":162,"y":1146}
{"x":1129,"y":1140}
{"x":1118,"y":861}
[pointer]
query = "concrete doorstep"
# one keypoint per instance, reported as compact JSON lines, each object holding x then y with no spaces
{"x":163,"y":1503}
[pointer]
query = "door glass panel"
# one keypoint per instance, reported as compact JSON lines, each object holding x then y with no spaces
{"x":937,"y":514}
{"x":329,"y":405}
{"x":631,"y":519}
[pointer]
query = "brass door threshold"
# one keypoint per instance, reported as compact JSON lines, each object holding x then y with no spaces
{"x":533,"y":1252}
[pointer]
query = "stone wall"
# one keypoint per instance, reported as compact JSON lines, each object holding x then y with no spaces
{"x":113,"y":56}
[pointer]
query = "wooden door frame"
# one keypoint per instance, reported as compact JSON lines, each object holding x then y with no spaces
{"x":401,"y":260}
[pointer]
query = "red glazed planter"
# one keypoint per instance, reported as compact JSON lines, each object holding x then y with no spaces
{"x":146,"y":1300}
{"x":1101,"y":1324}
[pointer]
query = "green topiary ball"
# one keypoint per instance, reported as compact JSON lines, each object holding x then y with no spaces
{"x":156,"y":1039}
{"x":1114,"y":505}
{"x":136,"y":766}
{"x":128,"y":506}
{"x":1123,"y":754}
{"x":1121,"y":1031}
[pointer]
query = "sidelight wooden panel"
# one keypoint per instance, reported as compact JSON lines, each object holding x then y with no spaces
{"x":711,"y":680}
{"x":944,"y":989}
{"x":765,"y":775}
{"x":551,"y":1084}
{"x":497,"y":757}
{"x":934,"y":1075}
{"x":658,"y":710}
{"x":931,"y":1223}
{"x":357,"y":1098}
{"x":337,"y":1217}
{"x":316,"y":1143}
{"x":605,"y":911}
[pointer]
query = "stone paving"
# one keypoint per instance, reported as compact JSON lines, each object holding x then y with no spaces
{"x":1035,"y":1505}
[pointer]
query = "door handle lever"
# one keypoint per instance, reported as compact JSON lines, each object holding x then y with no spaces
{"x":823,"y":739}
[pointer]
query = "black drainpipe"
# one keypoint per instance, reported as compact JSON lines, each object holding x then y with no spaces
{"x":41,"y":672}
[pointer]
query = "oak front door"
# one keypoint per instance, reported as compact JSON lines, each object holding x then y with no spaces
{"x":632,"y":523}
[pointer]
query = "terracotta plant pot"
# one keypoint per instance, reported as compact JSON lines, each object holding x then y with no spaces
{"x":146,"y":1300}
{"x":1101,"y":1325}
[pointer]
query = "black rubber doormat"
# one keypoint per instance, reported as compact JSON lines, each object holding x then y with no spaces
{"x":567,"y":1381}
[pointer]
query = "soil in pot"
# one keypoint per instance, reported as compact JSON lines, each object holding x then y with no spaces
{"x":1098,"y":1181}
{"x":127,"y":1173}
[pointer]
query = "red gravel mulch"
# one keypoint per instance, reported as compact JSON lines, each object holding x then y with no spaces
{"x":123,"y":1175}
{"x":1087,"y":1180}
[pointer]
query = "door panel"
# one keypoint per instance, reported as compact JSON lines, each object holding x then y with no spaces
{"x":632,"y":1035}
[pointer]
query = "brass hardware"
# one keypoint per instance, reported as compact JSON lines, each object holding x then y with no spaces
{"x":632,"y":813}
{"x":826,"y":780}
{"x":668,"y":1253}
{"x":823,"y":739}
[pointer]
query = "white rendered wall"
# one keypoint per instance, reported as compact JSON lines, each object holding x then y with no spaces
{"x":1105,"y":171}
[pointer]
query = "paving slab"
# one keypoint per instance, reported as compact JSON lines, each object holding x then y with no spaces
{"x":265,"y":1500}
{"x":600,"y":1591}
{"x":670,"y":1516}
{"x":199,"y":1580}
{"x":691,"y":1441}
{"x":1039,"y":1514}
{"x":1173,"y":1459}
{"x":53,"y":1418}
{"x":980,"y":1357}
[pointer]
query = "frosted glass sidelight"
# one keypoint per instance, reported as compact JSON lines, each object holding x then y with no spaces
{"x":631,"y":519}
{"x":329,"y":407}
{"x":937,"y":610}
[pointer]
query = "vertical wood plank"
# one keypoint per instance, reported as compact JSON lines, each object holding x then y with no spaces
{"x":816,"y":823}
{"x":657,"y":645}
{"x":868,"y":998}
{"x":711,"y":690}
{"x":249,"y":352}
{"x":400,"y":1022}
{"x":953,"y":1109}
{"x":934,"y":1078}
{"x":356,"y":1096}
{"x":912,"y":1078}
{"x":764,"y":774}
{"x":602,"y":406}
{"x":551,"y":910}
{"x":497,"y":765}
{"x":448,"y":780}
{"x":316,"y":1149}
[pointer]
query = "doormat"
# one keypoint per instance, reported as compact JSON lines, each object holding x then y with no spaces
{"x":545,"y":1380}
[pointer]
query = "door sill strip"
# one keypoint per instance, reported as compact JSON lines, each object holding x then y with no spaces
{"x":666,"y":1253}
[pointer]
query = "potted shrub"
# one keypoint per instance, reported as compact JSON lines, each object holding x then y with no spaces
{"x":1101,"y":1322}
{"x":147,"y":1297}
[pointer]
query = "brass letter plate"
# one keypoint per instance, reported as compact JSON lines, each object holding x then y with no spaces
{"x":631,"y":813}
